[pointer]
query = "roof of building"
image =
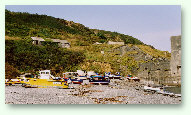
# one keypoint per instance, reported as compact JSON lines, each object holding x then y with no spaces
{"x":37,"y":38}
{"x":55,"y":40}
{"x":64,"y":41}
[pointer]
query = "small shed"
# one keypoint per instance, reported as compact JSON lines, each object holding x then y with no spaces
{"x":65,"y":44}
{"x":37,"y":40}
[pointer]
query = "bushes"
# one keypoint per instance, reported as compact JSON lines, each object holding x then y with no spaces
{"x":24,"y":56}
{"x":10,"y":71}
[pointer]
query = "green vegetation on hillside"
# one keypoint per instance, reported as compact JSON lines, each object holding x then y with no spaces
{"x":109,"y":61}
{"x":154,"y":52}
{"x":25,"y":25}
{"x":25,"y":57}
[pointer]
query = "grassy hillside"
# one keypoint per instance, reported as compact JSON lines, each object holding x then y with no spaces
{"x":25,"y":25}
{"x":112,"y":61}
{"x":154,"y":52}
{"x":22,"y":56}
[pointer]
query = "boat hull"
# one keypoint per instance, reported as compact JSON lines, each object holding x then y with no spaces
{"x":99,"y":83}
{"x":45,"y":83}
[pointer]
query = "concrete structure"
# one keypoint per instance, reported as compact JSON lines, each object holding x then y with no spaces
{"x":55,"y":40}
{"x":37,"y":40}
{"x":157,"y":71}
{"x":61,"y":43}
{"x":97,"y":43}
{"x":175,"y":63}
{"x":119,"y":43}
{"x":65,"y":44}
{"x":154,"y":69}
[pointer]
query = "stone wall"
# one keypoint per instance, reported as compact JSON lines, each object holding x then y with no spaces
{"x":175,"y":63}
{"x":119,"y":43}
{"x":158,"y":70}
{"x":153,"y":69}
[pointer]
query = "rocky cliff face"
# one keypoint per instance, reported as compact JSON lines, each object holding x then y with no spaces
{"x":175,"y":63}
{"x":151,"y":68}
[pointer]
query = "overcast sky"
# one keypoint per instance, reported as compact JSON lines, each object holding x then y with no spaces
{"x":152,"y":24}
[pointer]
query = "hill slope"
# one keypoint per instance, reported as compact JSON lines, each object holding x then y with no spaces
{"x":25,"y":25}
{"x":21,"y":55}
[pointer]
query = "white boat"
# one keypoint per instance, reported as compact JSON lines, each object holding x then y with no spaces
{"x":147,"y":88}
{"x":112,"y":76}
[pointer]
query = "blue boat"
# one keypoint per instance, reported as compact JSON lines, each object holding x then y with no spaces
{"x":74,"y":81}
{"x":98,"y":79}
{"x":112,"y":76}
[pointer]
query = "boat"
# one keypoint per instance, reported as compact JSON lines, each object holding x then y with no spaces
{"x":45,"y":80}
{"x":74,"y":77}
{"x":73,"y":80}
{"x":131,"y":78}
{"x":25,"y":78}
{"x":98,"y":79}
{"x":113,"y":76}
{"x":149,"y":88}
{"x":9,"y":82}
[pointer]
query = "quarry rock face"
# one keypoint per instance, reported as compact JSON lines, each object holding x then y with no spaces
{"x":175,"y":63}
{"x":158,"y":70}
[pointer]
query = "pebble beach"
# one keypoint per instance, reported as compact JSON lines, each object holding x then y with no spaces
{"x":118,"y":92}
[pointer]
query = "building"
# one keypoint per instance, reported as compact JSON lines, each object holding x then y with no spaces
{"x":65,"y":44}
{"x":37,"y":40}
{"x":61,"y":43}
{"x":175,"y":63}
{"x":119,"y":43}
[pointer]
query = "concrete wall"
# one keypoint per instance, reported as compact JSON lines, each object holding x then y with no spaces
{"x":120,"y":43}
{"x":157,"y":72}
{"x":65,"y":45}
{"x":175,"y":63}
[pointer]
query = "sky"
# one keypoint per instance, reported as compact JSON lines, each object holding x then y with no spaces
{"x":152,"y":24}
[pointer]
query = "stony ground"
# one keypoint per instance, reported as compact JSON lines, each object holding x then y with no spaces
{"x":125,"y":93}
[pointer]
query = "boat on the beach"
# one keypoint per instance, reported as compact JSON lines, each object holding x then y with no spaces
{"x":149,"y":88}
{"x":75,"y":77}
{"x":9,"y":82}
{"x":46,"y":80}
{"x":25,"y":78}
{"x":133,"y":78}
{"x":113,"y":76}
{"x":73,"y":80}
{"x":98,"y":79}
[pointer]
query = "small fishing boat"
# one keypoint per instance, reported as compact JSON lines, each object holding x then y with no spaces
{"x":98,"y":79}
{"x":76,"y":80}
{"x":75,"y":77}
{"x":149,"y":88}
{"x":113,"y":76}
{"x":25,"y":78}
{"x":9,"y":82}
{"x":45,"y":80}
{"x":131,"y":78}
